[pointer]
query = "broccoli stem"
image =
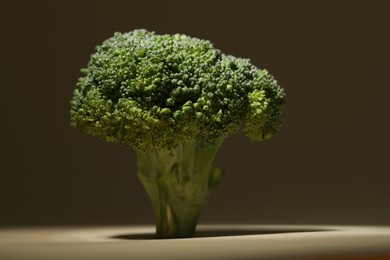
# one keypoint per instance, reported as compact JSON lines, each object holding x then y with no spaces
{"x":178,"y":183}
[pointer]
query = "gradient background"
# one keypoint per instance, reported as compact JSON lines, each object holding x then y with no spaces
{"x":328,"y":165}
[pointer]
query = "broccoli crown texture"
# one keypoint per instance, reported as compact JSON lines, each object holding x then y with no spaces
{"x":154,"y":92}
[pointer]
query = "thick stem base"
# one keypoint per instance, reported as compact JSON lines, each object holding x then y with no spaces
{"x":178,"y":183}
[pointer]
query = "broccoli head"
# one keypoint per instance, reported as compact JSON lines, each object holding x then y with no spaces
{"x":173,"y":99}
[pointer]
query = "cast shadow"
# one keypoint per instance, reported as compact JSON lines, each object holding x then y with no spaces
{"x":222,"y":233}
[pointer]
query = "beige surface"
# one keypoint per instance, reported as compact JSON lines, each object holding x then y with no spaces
{"x":213,"y":242}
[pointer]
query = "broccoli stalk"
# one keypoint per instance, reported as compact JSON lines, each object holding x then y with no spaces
{"x":174,"y":99}
{"x":178,"y":182}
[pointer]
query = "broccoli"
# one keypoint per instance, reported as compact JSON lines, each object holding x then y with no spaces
{"x":173,"y":99}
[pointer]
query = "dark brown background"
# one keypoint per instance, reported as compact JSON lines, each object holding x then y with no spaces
{"x":328,"y":165}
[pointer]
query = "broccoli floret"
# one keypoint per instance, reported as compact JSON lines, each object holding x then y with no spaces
{"x":174,"y":99}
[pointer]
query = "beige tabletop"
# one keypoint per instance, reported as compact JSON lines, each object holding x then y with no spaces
{"x":211,"y":242}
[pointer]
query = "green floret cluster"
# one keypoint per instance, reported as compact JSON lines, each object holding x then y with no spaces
{"x":173,"y":99}
{"x":154,"y":92}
